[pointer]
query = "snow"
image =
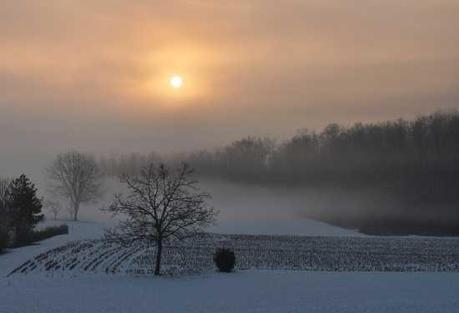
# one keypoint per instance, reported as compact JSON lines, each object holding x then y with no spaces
{"x":281,"y":226}
{"x":261,"y":252}
{"x":250,"y":209}
{"x":242,"y":292}
{"x":87,"y":229}
{"x":246,"y":209}
{"x":245,"y":291}
{"x":243,"y":210}
{"x":12,"y":258}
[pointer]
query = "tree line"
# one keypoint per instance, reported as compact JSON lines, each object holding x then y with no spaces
{"x":418,"y":159}
{"x":381,"y":152}
{"x":414,"y":161}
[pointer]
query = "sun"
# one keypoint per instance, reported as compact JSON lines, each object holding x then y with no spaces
{"x":176,"y":81}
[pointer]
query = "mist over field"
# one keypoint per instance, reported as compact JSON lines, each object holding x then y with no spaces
{"x":387,"y":178}
{"x":247,"y":208}
{"x":250,"y":208}
{"x":392,"y":177}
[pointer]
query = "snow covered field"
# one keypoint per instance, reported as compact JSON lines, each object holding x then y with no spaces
{"x":242,"y":292}
{"x":260,"y":252}
{"x":77,"y":231}
{"x":247,"y":290}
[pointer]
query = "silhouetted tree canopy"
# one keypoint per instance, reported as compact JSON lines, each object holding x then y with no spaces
{"x":163,"y":203}
{"x":76,"y":177}
{"x":414,"y":161}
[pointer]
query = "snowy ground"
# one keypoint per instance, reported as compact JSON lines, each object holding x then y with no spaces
{"x":253,"y":252}
{"x":77,"y":231}
{"x":242,"y":292}
{"x":94,"y":230}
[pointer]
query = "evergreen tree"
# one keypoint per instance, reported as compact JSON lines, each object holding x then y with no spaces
{"x":25,"y":206}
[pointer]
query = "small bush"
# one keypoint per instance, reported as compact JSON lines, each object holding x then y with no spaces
{"x":224,"y":260}
{"x":49,"y":232}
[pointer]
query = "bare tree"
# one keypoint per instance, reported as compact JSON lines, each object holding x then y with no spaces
{"x":53,"y":207}
{"x":75,"y":176}
{"x":162,"y":204}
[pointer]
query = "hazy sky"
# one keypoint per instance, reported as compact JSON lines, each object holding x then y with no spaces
{"x":93,"y":74}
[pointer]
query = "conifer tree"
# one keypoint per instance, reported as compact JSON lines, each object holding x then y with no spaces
{"x":25,"y":206}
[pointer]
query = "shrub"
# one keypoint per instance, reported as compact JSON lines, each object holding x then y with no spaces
{"x":49,"y":232}
{"x":224,"y":260}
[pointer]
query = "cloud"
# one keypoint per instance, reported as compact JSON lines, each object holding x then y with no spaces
{"x":253,"y":67}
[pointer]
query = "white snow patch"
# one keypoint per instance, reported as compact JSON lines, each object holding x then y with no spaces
{"x":267,"y":292}
{"x":12,"y":258}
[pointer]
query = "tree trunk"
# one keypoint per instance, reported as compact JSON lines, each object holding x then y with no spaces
{"x":76,"y":208}
{"x":159,"y":250}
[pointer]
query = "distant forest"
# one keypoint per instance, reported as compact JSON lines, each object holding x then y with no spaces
{"x":415,"y":162}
